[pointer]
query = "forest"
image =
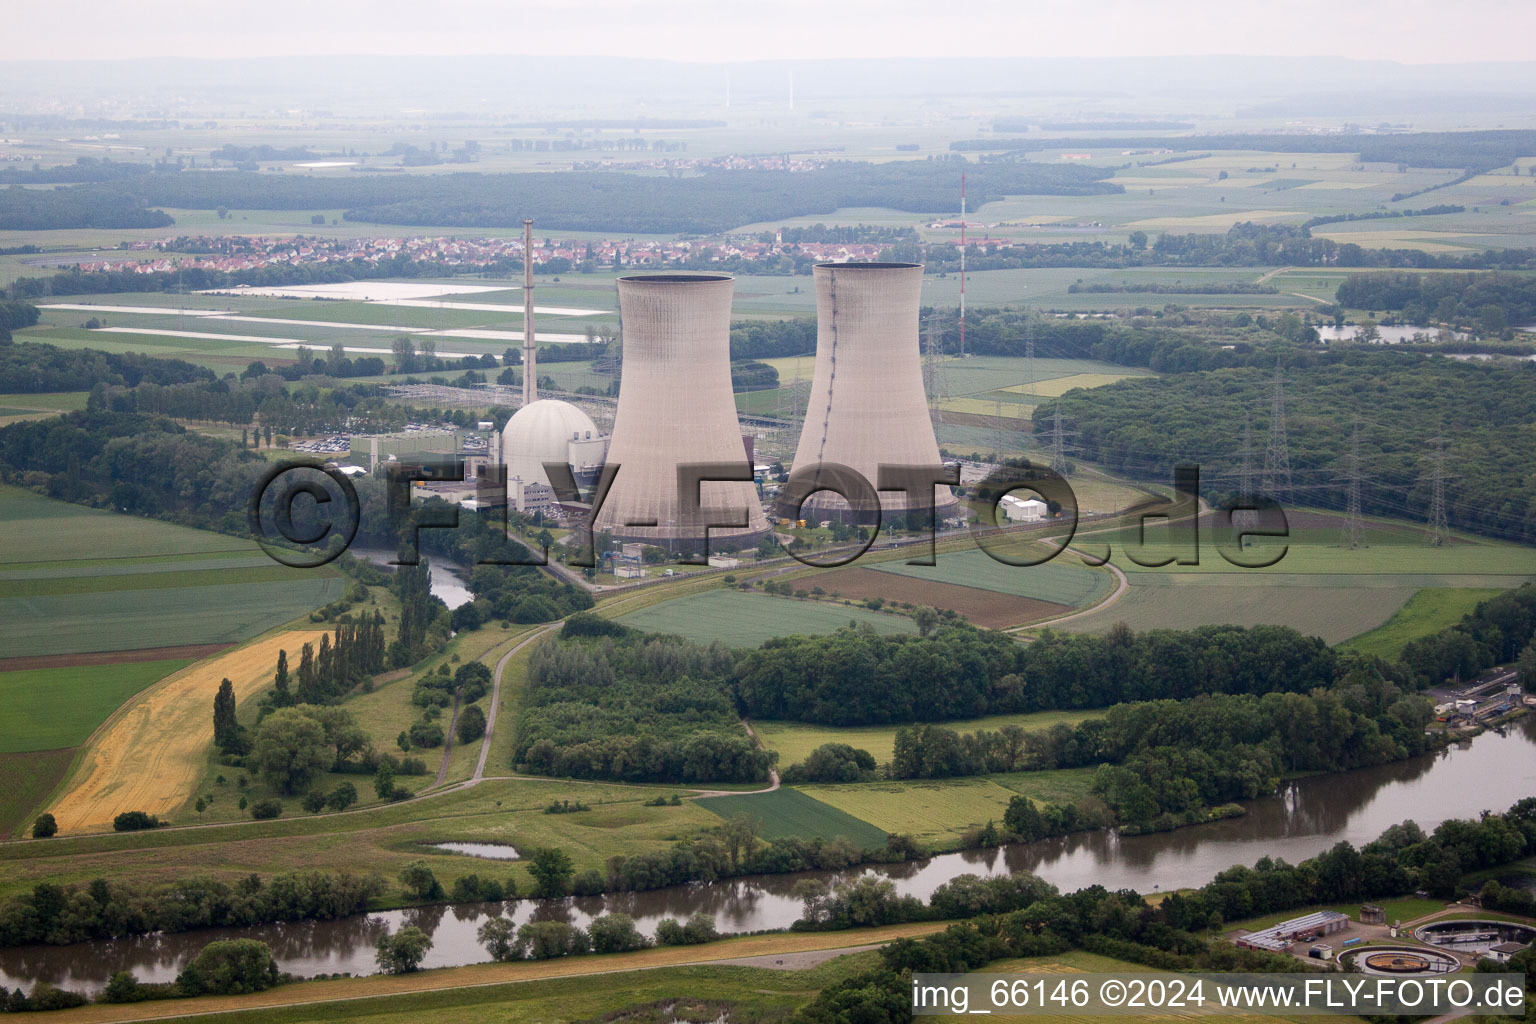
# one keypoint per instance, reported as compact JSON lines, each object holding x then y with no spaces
{"x":637,"y":709}
{"x":1495,"y":302}
{"x":574,"y":200}
{"x":1485,"y":413}
{"x":29,"y":367}
{"x":855,"y":677}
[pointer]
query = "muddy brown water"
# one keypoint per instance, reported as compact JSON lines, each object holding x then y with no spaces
{"x":1304,"y":819}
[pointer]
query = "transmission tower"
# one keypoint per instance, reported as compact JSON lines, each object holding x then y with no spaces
{"x":933,"y":369}
{"x":1439,"y":530}
{"x":1354,"y":528}
{"x":1058,"y":444}
{"x":1277,"y":453}
{"x":1245,"y":465}
{"x":997,"y":427}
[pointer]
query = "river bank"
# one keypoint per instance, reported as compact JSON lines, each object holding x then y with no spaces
{"x":1491,"y":772}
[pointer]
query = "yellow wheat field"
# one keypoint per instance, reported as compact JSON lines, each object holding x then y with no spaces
{"x":152,"y":753}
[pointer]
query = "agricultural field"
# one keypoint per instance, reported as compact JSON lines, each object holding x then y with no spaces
{"x":152,"y":753}
{"x":747,"y":620}
{"x":986,"y":608}
{"x":933,"y":811}
{"x":81,"y":580}
{"x":790,"y":811}
{"x":53,"y":708}
{"x":1427,"y":611}
{"x":1320,"y":586}
{"x":1062,"y":581}
{"x":795,"y":740}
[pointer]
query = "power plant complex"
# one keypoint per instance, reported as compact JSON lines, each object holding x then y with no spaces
{"x":676,"y":408}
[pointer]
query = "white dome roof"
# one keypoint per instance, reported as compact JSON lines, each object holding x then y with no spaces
{"x":538,"y":433}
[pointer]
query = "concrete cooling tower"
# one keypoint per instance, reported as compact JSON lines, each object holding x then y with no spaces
{"x":867,"y":407}
{"x":676,"y":408}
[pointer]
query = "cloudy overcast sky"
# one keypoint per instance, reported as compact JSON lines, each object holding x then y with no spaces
{"x":1412,"y":31}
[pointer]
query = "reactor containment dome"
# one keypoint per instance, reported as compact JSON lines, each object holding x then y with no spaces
{"x":541,"y":432}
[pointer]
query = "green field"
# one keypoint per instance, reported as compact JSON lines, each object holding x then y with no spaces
{"x":1063,"y":580}
{"x":29,"y":778}
{"x":38,"y":529}
{"x":77,"y":579}
{"x":795,"y":740}
{"x":49,"y":708}
{"x":933,"y":811}
{"x":1394,"y":588}
{"x":743,"y":619}
{"x":791,"y":812}
{"x":1334,"y":608}
{"x":1427,"y":611}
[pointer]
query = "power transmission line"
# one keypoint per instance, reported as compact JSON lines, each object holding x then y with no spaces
{"x":1277,"y":453}
{"x":1439,"y":530}
{"x":1354,"y":527}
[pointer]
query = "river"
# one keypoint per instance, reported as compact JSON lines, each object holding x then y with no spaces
{"x":1307,"y":817}
{"x":447,"y":578}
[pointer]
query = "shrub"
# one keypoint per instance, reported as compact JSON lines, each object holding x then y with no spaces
{"x":699,"y":928}
{"x":615,"y":933}
{"x":420,"y":883}
{"x":230,"y":967}
{"x":403,"y":951}
{"x":314,"y":801}
{"x":264,"y":810}
{"x":543,"y":940}
{"x":426,"y":734}
{"x":135,"y":821}
{"x":342,"y":797}
{"x":44,"y":826}
{"x":471,"y":724}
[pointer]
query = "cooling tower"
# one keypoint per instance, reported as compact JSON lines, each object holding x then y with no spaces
{"x":676,"y":408}
{"x":867,"y":407}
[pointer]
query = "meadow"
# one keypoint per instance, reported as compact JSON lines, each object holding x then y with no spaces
{"x":941,"y":811}
{"x":795,"y":740}
{"x":789,"y":811}
{"x":384,"y":838}
{"x":741,"y":619}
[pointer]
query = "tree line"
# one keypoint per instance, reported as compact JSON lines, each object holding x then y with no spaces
{"x":713,"y":201}
{"x":29,"y":367}
{"x":857,"y":677}
{"x":1492,"y":303}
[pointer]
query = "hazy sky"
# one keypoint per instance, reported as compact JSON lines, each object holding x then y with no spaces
{"x":1413,"y":31}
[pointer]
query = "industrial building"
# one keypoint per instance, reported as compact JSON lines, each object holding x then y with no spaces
{"x":867,"y":407}
{"x":1021,"y":510}
{"x":1278,"y":938}
{"x":676,"y":408}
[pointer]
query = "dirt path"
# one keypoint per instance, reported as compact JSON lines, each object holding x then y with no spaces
{"x":152,"y":753}
{"x":490,"y":718}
